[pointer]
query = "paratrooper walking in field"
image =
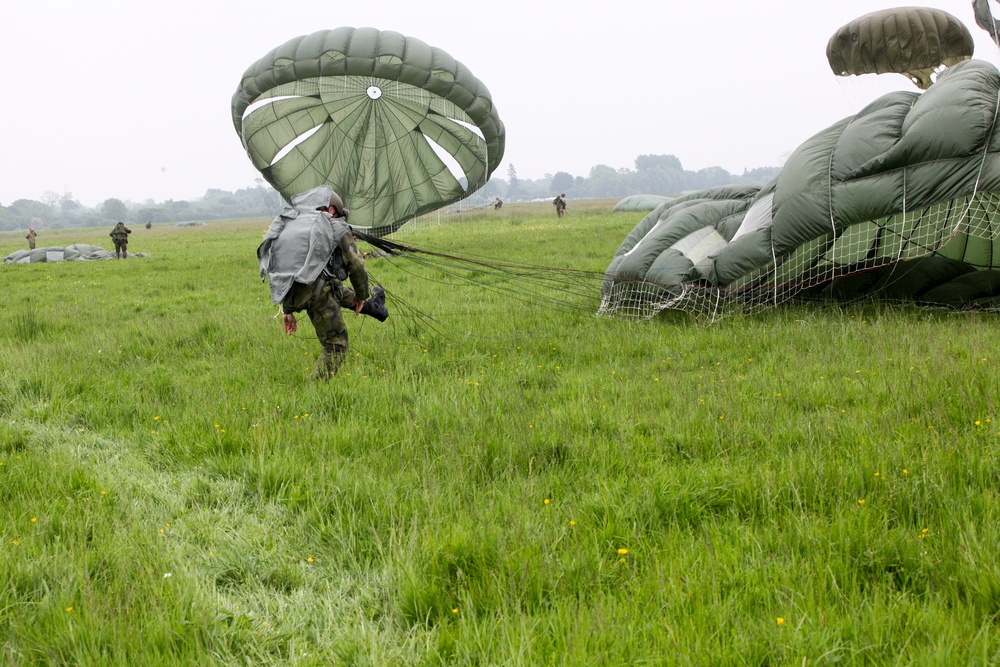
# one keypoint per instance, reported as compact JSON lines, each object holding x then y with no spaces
{"x":307,"y":254}
{"x":120,"y":236}
{"x":560,"y":204}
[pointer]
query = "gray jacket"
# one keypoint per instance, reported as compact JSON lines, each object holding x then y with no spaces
{"x":300,"y":242}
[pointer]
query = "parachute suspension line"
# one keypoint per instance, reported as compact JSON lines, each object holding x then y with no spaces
{"x":829,"y":196}
{"x":900,"y":254}
{"x":376,"y":107}
{"x":415,"y":318}
{"x":902,"y":241}
{"x":774,"y":272}
{"x":566,"y":289}
{"x":716,"y":306}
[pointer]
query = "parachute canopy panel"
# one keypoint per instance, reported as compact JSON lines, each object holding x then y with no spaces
{"x":913,"y":41}
{"x":640,"y":203}
{"x":396,"y":127}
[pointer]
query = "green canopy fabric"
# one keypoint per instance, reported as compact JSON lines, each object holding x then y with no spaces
{"x":70,"y":253}
{"x":396,"y":127}
{"x":986,"y":20}
{"x":640,"y":203}
{"x":910,"y":185}
{"x":915,"y":41}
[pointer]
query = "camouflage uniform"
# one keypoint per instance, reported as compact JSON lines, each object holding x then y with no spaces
{"x":307,"y":255}
{"x":31,"y":237}
{"x":120,"y":236}
{"x":324,"y":298}
{"x":560,"y":204}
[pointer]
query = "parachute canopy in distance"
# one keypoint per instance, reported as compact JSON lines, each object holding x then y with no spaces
{"x":70,"y":253}
{"x":914,"y":41}
{"x":396,"y":127}
{"x":985,"y":20}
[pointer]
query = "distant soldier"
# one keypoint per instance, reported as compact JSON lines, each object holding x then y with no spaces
{"x":560,"y":204}
{"x":120,"y":236}
{"x":497,"y":203}
{"x":31,"y":237}
{"x":149,"y":224}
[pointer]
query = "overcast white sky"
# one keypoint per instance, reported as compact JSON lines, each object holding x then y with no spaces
{"x":131,"y":99}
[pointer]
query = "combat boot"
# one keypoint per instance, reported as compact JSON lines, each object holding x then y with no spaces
{"x":375,"y":306}
{"x":328,"y":364}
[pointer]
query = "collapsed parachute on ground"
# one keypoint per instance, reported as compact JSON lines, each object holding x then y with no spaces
{"x":71,"y":253}
{"x":914,"y":41}
{"x":397,"y":128}
{"x":640,"y":203}
{"x":899,"y":201}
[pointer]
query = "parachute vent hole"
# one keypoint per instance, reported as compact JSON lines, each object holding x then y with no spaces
{"x":374,"y":92}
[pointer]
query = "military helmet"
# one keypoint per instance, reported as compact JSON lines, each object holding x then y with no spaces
{"x":337,"y":203}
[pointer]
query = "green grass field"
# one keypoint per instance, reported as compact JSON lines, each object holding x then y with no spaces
{"x":511,"y":484}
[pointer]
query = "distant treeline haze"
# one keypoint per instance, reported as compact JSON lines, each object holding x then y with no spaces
{"x":653,"y":174}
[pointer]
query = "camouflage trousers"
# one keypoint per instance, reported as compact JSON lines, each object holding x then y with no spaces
{"x":322,"y":301}
{"x":121,"y":248}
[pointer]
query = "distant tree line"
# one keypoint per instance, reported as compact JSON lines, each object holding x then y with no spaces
{"x":63,"y":211}
{"x":653,"y":174}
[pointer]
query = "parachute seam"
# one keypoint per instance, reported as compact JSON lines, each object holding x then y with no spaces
{"x":774,"y":261}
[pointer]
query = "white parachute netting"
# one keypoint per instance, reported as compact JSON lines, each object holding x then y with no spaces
{"x":964,"y":230}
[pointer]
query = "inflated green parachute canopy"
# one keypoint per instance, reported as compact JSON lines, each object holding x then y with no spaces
{"x":985,"y":19}
{"x":914,"y":41}
{"x":900,"y":201}
{"x":396,"y":127}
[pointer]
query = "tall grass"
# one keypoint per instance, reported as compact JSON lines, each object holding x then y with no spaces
{"x":506,"y":484}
